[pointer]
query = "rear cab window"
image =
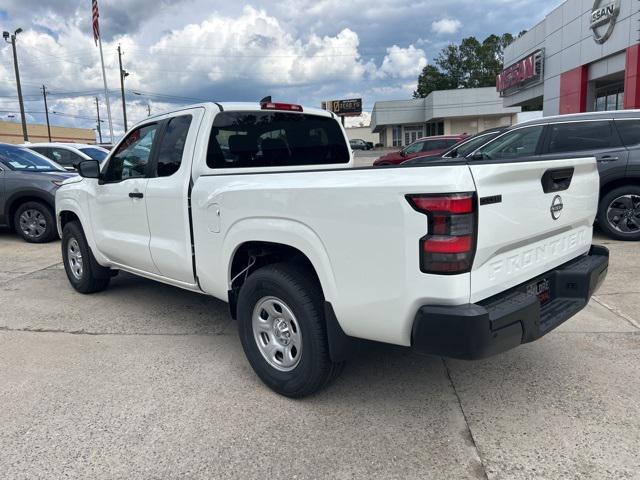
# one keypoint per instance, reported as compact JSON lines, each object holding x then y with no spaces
{"x":249,"y":139}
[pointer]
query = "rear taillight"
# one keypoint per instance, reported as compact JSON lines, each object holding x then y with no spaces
{"x":450,"y":245}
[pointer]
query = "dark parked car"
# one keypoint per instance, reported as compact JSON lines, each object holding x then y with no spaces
{"x":358,"y":144}
{"x":28,"y":183}
{"x":420,"y":148}
{"x":462,"y":148}
{"x":612,"y":137}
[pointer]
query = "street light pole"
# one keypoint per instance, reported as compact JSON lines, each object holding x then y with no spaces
{"x":123,"y":75}
{"x":98,"y":123}
{"x":11,"y":38}
{"x":46,"y":110}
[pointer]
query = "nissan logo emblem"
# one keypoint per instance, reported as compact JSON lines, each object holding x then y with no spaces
{"x":556,"y":207}
{"x":603,"y":19}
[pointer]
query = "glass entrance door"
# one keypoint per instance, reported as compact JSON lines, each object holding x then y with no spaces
{"x":411,"y":134}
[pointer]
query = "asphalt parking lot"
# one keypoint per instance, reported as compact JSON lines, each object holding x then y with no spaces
{"x":148,"y":381}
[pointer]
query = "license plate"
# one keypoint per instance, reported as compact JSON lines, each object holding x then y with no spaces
{"x":541,"y":289}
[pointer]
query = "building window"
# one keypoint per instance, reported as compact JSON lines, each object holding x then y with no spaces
{"x":412,"y":133}
{"x":397,"y":136}
{"x":435,"y":128}
{"x":610,"y":97}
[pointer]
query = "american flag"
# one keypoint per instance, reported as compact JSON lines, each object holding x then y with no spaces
{"x":96,"y":25}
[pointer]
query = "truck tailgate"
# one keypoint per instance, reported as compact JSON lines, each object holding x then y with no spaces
{"x":533,"y":217}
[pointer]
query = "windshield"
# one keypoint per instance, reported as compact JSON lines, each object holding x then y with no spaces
{"x":94,"y":153}
{"x":22,"y":159}
{"x":475,"y":142}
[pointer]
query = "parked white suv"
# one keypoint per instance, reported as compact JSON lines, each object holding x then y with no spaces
{"x":256,"y":204}
{"x":68,"y":155}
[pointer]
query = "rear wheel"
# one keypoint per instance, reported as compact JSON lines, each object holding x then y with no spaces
{"x":283,"y":332}
{"x":34,"y":222}
{"x":619,"y":213}
{"x":83,"y":272}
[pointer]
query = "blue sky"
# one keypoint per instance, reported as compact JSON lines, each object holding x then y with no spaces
{"x":184,"y":50}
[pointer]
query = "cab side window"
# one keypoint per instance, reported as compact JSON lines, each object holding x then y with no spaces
{"x":132,"y":157}
{"x":172,"y":145}
{"x":64,"y":157}
{"x":519,"y":143}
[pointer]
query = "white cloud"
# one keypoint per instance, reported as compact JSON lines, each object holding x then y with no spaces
{"x":402,"y":62}
{"x":446,"y":26}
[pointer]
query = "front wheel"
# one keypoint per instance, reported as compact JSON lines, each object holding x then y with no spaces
{"x":83,"y":272}
{"x":283,"y":332}
{"x":619,"y":213}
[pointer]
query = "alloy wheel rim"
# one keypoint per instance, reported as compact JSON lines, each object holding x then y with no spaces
{"x":74,"y":259}
{"x":623,"y":214}
{"x":33,"y":223}
{"x":277,"y":333}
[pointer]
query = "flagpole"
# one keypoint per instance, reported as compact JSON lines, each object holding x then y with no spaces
{"x":106,"y":90}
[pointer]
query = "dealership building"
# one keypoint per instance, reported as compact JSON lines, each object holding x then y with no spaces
{"x":11,"y":132}
{"x":444,"y":112}
{"x":584,"y":56}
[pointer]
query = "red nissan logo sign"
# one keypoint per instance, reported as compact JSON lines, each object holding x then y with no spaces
{"x":518,"y":73}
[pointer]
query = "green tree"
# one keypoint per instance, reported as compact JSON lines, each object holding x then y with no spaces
{"x":471,"y":64}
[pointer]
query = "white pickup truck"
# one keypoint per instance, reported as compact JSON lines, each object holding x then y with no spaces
{"x":259,"y":205}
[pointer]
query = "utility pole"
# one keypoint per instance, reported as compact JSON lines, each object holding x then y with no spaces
{"x":46,"y":110}
{"x":9,"y":38}
{"x":98,"y":123}
{"x":123,"y":75}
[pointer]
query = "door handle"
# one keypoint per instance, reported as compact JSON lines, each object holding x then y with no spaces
{"x":136,"y":195}
{"x":608,"y":158}
{"x":557,"y":180}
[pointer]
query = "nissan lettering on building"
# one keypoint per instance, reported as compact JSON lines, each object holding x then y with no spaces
{"x":589,"y":60}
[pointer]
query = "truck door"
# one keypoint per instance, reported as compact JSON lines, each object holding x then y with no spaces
{"x":118,"y":209}
{"x":167,"y":196}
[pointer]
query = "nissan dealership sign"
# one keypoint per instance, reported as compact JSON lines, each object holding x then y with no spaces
{"x":603,"y":19}
{"x":524,"y":73}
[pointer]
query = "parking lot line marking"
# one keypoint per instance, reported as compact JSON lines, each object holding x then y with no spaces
{"x":617,"y":312}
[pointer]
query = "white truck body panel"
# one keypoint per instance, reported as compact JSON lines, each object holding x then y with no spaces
{"x":362,"y":240}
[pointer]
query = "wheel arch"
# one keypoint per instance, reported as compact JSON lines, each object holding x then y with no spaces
{"x":268,"y":253}
{"x":280,"y":238}
{"x":18,"y":198}
{"x":617,"y":183}
{"x":67,"y":210}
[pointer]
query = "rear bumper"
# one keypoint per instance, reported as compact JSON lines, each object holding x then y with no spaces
{"x":510,"y":318}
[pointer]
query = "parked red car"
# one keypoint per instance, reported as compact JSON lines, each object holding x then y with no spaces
{"x":421,"y":147}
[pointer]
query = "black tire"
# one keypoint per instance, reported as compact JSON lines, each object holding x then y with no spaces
{"x":35,"y":223}
{"x":613,"y":225}
{"x":299,"y":290}
{"x":91,"y":277}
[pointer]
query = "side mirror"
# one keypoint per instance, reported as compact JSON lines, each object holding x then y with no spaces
{"x":89,"y":169}
{"x":403,"y":153}
{"x":477,"y":156}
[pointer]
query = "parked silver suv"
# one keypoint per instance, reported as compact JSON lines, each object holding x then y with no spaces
{"x":612,"y":137}
{"x":28,"y":183}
